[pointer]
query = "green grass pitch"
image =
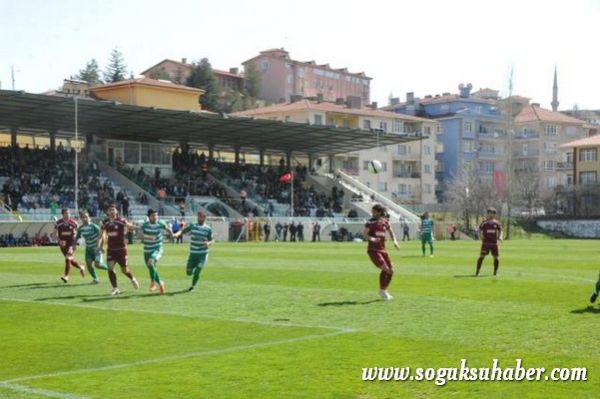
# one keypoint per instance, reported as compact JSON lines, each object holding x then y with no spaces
{"x":299,"y":320}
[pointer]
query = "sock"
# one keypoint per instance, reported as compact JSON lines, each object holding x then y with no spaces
{"x":496,"y":265}
{"x":92,"y":272}
{"x":196,"y":276}
{"x":102,"y":266}
{"x":384,"y":279}
{"x":67,"y":267}
{"x":112,"y":276}
{"x":151,"y":272}
{"x":479,"y":262}
{"x":431,"y":248}
{"x":156,"y":276}
{"x":598,"y":287}
{"x":423,"y":248}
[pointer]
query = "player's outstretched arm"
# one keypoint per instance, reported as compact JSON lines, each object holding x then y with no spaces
{"x":393,"y":237}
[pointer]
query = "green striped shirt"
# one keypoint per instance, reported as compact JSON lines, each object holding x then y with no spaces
{"x":90,"y":234}
{"x":153,"y":235}
{"x":427,"y":226}
{"x":199,"y":235}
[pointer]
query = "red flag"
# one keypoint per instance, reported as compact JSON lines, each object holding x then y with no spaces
{"x":286,"y":178}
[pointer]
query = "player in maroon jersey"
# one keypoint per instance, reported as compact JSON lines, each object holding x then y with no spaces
{"x":114,"y":231}
{"x":65,"y":231}
{"x":374,"y":233}
{"x":491,"y":233}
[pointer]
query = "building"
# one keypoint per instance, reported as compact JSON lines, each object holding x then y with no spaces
{"x":179,"y":71}
{"x":408,"y":175}
{"x":538,"y":136}
{"x":582,"y":196}
{"x":470,"y":132}
{"x":282,"y":78}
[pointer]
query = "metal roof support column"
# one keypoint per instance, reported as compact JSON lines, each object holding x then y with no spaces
{"x":311,"y":159}
{"x":330,"y":156}
{"x":211,"y":152}
{"x":52,"y":134}
{"x":288,"y":160}
{"x":261,"y":156}
{"x":13,"y":137}
{"x":237,"y":155}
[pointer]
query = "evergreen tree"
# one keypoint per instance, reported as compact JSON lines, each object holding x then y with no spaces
{"x":252,"y":82}
{"x":91,"y":73}
{"x":116,"y":69}
{"x":203,"y":77}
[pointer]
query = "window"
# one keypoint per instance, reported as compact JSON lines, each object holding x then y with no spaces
{"x":132,"y":153}
{"x":550,"y":130}
{"x":468,"y":146}
{"x":427,"y":168}
{"x":549,"y":165}
{"x":468,"y":126}
{"x":478,"y":109}
{"x":427,"y":188}
{"x":550,"y":147}
{"x":397,"y":126}
{"x":427,"y":130}
{"x":367,"y":124}
{"x":301,"y":72}
{"x":588,"y":154}
{"x":346,"y":124}
{"x":289,"y":78}
{"x":403,"y":149}
{"x":427,"y":149}
{"x":525,"y":149}
{"x":365,"y":165}
{"x":445,"y":107}
{"x":587,"y":178}
{"x":486,"y":167}
{"x":264,"y":65}
{"x":383,"y":187}
{"x":569,"y":180}
{"x":404,"y":189}
{"x":318,"y":119}
{"x":438,"y":128}
{"x":383,"y":126}
{"x":550,"y":181}
{"x":287,"y":118}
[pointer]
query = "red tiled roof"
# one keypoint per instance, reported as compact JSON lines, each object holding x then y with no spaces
{"x":147,"y":82}
{"x":328,"y":107}
{"x":190,"y":66}
{"x":534,"y":113}
{"x":227,"y":73}
{"x":588,"y":141}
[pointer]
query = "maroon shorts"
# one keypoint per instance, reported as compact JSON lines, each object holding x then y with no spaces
{"x":118,"y":256}
{"x":487,"y":248}
{"x":68,"y":251}
{"x":380,"y":259}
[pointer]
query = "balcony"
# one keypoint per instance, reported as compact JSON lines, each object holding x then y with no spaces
{"x":526,"y":154}
{"x":407,"y":174}
{"x":409,"y":156}
{"x":564,"y":166}
{"x":491,"y":154}
{"x":527,"y":135}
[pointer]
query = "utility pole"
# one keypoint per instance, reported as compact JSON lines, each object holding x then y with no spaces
{"x":12,"y":75}
{"x":510,"y":153}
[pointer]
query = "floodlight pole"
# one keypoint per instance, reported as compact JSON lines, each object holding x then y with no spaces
{"x":76,"y":157}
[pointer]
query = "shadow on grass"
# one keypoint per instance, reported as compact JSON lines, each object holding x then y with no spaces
{"x":55,"y":285}
{"x":50,"y":298}
{"x":30,"y":285}
{"x":96,"y":298}
{"x":589,"y":309}
{"x":469,"y":275}
{"x":344,"y":303}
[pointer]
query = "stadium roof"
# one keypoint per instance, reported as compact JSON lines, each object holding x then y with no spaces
{"x":36,"y":112}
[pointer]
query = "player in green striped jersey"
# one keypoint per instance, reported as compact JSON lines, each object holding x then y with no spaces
{"x":93,"y":254}
{"x":201,"y":238}
{"x":153,"y":247}
{"x":426,"y":233}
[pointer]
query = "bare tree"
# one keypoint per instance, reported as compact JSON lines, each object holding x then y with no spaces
{"x":526,"y":188}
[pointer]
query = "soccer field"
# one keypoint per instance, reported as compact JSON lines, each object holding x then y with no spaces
{"x":300,"y":320}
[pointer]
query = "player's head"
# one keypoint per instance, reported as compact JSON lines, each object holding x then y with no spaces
{"x":201,"y":217}
{"x":85,"y":217}
{"x":152,"y":215}
{"x":378,"y":211}
{"x":425,"y":215}
{"x":491,"y":213}
{"x":65,"y":213}
{"x":111,"y":211}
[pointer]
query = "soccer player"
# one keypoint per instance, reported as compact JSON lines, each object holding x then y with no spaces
{"x":426,"y":233}
{"x":596,"y":291}
{"x":374,"y":233}
{"x":65,"y":231}
{"x":153,"y":247}
{"x":491,"y":233}
{"x":114,"y":228}
{"x":201,"y":239}
{"x":93,"y":249}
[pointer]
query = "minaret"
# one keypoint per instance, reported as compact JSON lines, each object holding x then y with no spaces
{"x":555,"y":93}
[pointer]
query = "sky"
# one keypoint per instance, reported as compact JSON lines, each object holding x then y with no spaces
{"x":425,"y":47}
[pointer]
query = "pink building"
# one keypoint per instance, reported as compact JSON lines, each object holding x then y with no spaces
{"x":282,"y":78}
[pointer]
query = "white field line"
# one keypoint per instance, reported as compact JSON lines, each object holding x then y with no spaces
{"x":193,"y":316}
{"x":175,"y":357}
{"x":38,"y":391}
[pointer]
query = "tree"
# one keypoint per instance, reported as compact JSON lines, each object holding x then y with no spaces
{"x":91,"y":73}
{"x":526,"y":184}
{"x":202,"y":77}
{"x":252,"y":82}
{"x":232,"y":100}
{"x":159,"y":73}
{"x":116,"y":69}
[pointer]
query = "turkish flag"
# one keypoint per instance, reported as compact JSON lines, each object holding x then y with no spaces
{"x":286,"y":178}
